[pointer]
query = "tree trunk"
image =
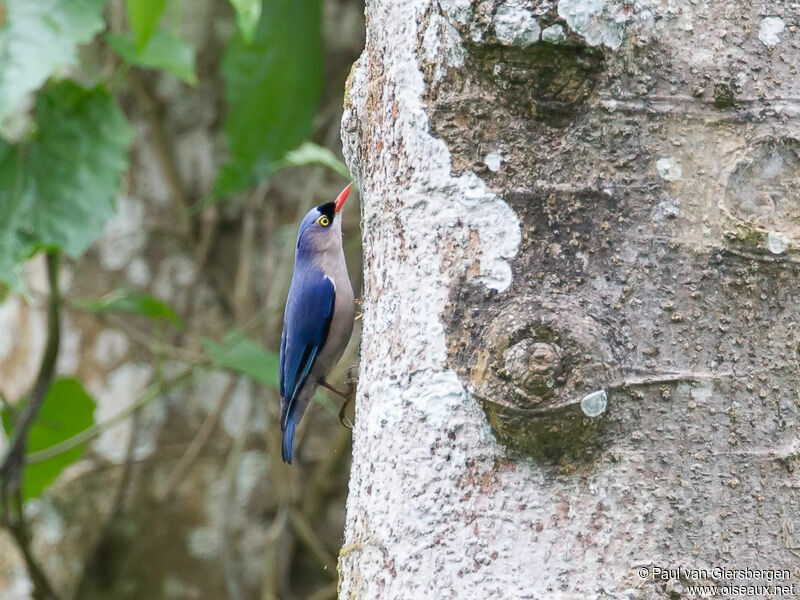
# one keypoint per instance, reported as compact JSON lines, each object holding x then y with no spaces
{"x":579,"y":364}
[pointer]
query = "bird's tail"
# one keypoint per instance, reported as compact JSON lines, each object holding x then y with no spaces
{"x":288,"y":439}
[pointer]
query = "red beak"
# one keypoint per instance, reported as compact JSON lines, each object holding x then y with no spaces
{"x":342,"y":197}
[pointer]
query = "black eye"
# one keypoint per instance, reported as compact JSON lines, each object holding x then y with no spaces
{"x":324,"y":221}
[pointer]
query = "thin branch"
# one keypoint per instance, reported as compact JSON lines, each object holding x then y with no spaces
{"x":242,"y":288}
{"x":92,"y":432}
{"x":14,"y":459}
{"x":209,"y":225}
{"x":166,"y":156}
{"x":42,"y":590}
{"x":139,"y":336}
{"x":13,"y":463}
{"x":199,"y":442}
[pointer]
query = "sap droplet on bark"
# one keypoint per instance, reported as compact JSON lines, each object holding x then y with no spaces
{"x":777,"y":243}
{"x":594,"y":404}
{"x":493,"y":161}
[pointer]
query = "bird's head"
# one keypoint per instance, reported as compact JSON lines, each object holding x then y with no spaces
{"x":321,"y":228}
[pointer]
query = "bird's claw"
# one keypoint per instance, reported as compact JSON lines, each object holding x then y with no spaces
{"x":352,"y":381}
{"x":343,"y":419}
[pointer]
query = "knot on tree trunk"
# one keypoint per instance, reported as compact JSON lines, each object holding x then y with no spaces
{"x":541,"y":378}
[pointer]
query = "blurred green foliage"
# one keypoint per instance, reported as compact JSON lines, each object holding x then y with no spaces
{"x":143,"y":16}
{"x":309,"y":153}
{"x":60,"y":183}
{"x":37,"y":40}
{"x":248,"y":13}
{"x":64,"y":142}
{"x":133,"y":302}
{"x":164,"y":51}
{"x":67,"y":410}
{"x":60,"y":172}
{"x":242,"y":355}
{"x":272,"y":86}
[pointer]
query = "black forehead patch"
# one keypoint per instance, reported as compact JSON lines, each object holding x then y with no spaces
{"x":327,"y":209}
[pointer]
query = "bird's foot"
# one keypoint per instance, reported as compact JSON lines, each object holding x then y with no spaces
{"x":352,"y":382}
{"x":343,"y":419}
{"x":347,"y":396}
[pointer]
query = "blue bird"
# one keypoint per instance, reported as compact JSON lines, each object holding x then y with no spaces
{"x":319,"y":315}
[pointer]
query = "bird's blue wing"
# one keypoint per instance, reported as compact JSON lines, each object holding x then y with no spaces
{"x":309,"y":310}
{"x":282,"y":355}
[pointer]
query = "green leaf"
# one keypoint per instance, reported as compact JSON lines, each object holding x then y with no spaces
{"x":165,"y":51}
{"x":247,"y":14}
{"x":272,"y":86}
{"x":309,"y":153}
{"x":75,"y":164}
{"x":67,"y":410}
{"x":58,"y":189}
{"x":143,"y":16}
{"x":241,"y":354}
{"x":38,"y":39}
{"x":14,"y":194}
{"x":132,"y":302}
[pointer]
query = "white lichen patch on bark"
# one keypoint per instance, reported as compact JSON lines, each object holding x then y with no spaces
{"x":770,"y":30}
{"x":437,"y":508}
{"x":514,"y":25}
{"x":442,"y":35}
{"x":237,"y":419}
{"x":50,"y":526}
{"x":434,"y":509}
{"x":175,"y":273}
{"x":554,"y":34}
{"x":459,"y":11}
{"x":71,"y":347}
{"x":603,"y":22}
{"x":669,"y":168}
{"x":403,"y":384}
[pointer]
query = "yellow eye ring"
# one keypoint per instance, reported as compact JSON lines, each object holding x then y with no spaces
{"x":324,"y":221}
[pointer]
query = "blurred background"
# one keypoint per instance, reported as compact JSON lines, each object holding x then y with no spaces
{"x":156,"y":158}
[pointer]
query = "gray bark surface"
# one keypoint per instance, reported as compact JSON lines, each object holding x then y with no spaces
{"x":561,"y":200}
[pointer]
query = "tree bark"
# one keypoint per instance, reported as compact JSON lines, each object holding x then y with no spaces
{"x":579,"y":361}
